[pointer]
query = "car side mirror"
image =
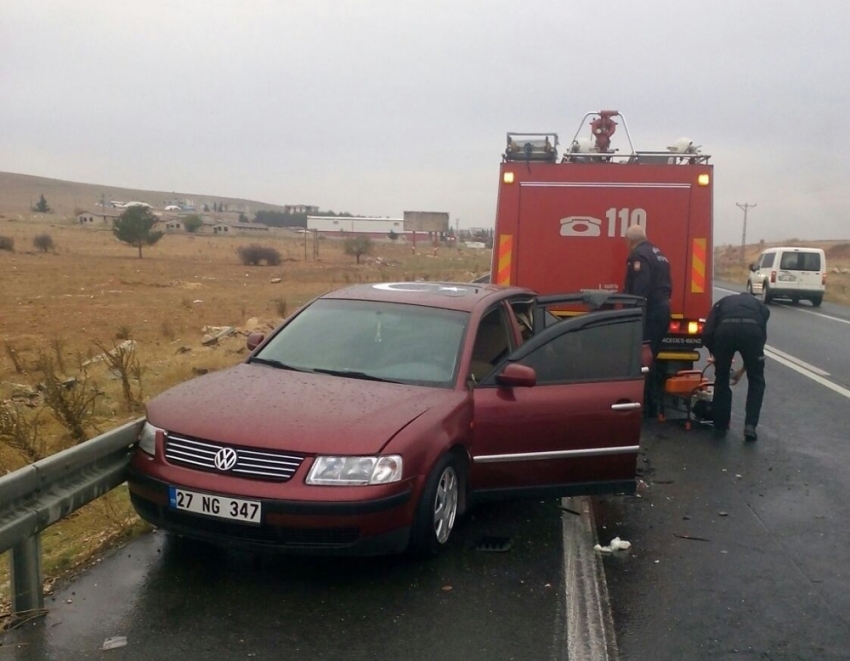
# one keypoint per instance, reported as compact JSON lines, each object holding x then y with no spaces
{"x":255,"y":340}
{"x":754,"y":267}
{"x":517,"y":376}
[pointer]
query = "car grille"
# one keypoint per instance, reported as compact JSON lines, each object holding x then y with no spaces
{"x":256,"y":464}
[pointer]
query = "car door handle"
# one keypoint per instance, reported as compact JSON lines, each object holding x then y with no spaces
{"x":625,"y":406}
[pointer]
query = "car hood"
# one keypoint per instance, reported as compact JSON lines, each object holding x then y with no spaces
{"x":260,"y":406}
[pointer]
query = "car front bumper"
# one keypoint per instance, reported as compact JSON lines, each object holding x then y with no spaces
{"x":368,"y":527}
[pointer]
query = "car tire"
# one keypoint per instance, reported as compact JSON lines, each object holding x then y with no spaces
{"x":437,"y":509}
{"x":766,"y":298}
{"x":749,"y":288}
{"x":816,"y":301}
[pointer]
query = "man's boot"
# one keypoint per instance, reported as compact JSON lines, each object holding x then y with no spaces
{"x":750,"y":433}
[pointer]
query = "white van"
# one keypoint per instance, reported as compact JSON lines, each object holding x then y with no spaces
{"x":793,"y":273}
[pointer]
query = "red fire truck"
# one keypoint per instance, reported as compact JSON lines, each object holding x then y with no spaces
{"x":561,"y":220}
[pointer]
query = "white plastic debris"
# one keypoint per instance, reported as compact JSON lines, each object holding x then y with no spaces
{"x":616,"y":544}
{"x":114,"y":643}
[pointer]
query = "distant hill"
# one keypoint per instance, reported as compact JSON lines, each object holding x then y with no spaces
{"x":18,"y":192}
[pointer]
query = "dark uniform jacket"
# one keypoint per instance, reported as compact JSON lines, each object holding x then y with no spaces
{"x":739,"y":309}
{"x":648,"y":275}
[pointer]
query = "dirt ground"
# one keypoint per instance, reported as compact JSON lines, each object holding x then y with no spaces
{"x":93,"y":292}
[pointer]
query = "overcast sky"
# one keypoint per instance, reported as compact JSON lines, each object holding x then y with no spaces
{"x":378,"y":106}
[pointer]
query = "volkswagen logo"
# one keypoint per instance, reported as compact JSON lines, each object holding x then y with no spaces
{"x":225,"y":459}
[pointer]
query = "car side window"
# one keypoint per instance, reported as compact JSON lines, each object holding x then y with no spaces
{"x":767,"y":260}
{"x":492,"y":344}
{"x":596,"y":353}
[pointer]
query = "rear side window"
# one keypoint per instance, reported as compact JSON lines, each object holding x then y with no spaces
{"x":800,"y":261}
{"x":767,"y":260}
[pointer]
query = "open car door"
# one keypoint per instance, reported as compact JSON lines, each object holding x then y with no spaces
{"x":561,"y":415}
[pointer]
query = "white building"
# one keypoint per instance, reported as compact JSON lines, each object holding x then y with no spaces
{"x":378,"y":228}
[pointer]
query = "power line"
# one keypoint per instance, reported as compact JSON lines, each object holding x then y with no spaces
{"x":745,"y":206}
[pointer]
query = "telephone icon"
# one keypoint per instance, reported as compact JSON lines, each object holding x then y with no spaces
{"x":581,"y":226}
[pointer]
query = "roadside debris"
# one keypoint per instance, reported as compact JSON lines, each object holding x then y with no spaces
{"x":215,"y":333}
{"x":494,"y":544}
{"x":114,"y":643}
{"x":616,"y":544}
{"x":691,"y":537}
{"x":126,"y":345}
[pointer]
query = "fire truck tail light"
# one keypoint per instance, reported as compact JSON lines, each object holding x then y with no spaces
{"x":773,"y":276}
{"x":675,"y":326}
{"x":508,"y":177}
{"x":694,"y":328}
{"x":703,"y":179}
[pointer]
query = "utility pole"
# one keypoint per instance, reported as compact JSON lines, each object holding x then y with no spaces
{"x":745,"y":206}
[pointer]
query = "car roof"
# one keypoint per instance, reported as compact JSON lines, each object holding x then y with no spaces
{"x":797,"y":248}
{"x":447,"y":295}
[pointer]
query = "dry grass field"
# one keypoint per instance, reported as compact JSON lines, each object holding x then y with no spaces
{"x":93,"y":293}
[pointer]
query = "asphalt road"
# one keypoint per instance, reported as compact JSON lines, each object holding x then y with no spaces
{"x":174,"y":599}
{"x":765,"y":573}
{"x":738,"y":551}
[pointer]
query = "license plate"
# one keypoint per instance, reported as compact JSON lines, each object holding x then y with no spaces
{"x":787,"y":277}
{"x":222,"y":507}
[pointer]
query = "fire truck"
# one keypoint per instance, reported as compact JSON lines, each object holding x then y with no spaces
{"x":562,"y":217}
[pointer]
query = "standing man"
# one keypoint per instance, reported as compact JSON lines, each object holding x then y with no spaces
{"x":737,"y":323}
{"x":648,"y":275}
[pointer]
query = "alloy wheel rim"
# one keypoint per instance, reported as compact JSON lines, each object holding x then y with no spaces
{"x":445,"y":504}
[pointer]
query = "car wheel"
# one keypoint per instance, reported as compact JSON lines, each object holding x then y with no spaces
{"x":437,"y":509}
{"x":765,"y":294}
{"x":817,"y":300}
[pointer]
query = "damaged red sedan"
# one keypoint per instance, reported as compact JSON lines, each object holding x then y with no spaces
{"x":371,"y":419}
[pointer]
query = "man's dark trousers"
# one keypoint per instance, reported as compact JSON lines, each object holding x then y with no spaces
{"x":657,"y":323}
{"x":748,"y":340}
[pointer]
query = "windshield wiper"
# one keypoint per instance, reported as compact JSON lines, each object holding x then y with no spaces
{"x":276,"y":363}
{"x":354,"y":375}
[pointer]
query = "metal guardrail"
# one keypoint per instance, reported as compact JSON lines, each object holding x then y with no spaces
{"x":37,"y":496}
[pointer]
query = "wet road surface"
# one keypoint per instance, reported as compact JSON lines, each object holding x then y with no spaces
{"x":769,"y":576}
{"x":175,"y":599}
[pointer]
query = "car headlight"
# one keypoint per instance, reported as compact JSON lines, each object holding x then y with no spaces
{"x":147,"y":438}
{"x":347,"y":471}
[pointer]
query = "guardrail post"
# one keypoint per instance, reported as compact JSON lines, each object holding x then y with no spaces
{"x":25,"y":563}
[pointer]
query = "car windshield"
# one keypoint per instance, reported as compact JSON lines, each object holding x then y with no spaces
{"x":370,"y":340}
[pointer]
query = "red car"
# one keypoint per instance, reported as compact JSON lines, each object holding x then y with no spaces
{"x":374,"y":416}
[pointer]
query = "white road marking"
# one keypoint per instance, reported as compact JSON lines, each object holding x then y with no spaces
{"x":796,"y":361}
{"x":817,"y":378}
{"x":816,"y":314}
{"x":801,"y":366}
{"x":590,"y":623}
{"x":825,"y":316}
